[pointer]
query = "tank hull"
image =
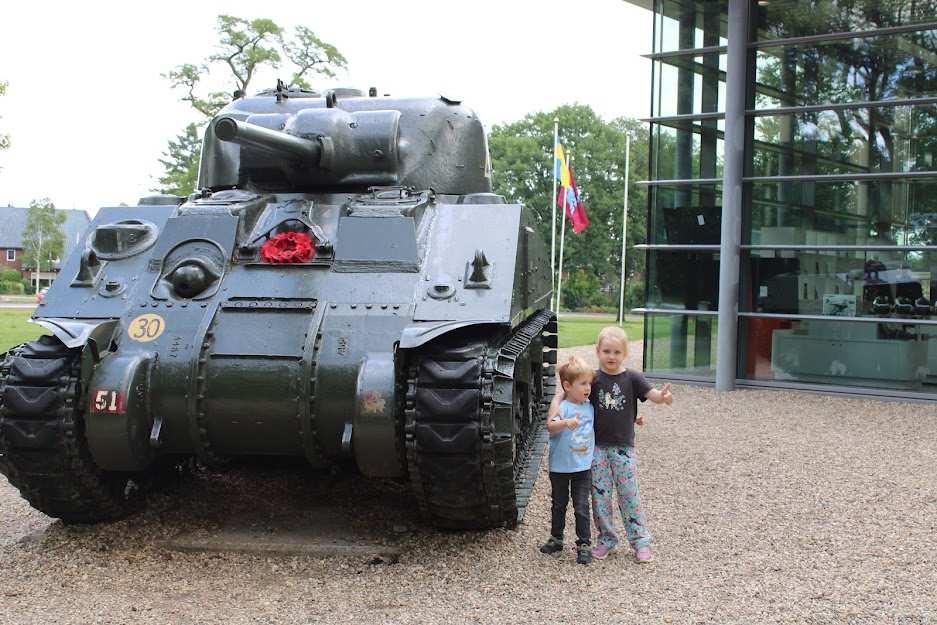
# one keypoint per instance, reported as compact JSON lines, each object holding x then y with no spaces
{"x":405,"y":330}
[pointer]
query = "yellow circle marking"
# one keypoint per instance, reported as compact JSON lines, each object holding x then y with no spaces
{"x":146,"y":328}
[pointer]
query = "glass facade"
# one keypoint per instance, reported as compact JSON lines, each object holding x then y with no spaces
{"x":836,"y":248}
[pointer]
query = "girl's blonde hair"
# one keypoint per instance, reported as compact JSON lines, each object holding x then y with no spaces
{"x":616,"y":334}
{"x":574,"y":368}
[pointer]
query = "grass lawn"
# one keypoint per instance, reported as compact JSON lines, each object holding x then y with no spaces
{"x":575,"y":331}
{"x":15,"y":329}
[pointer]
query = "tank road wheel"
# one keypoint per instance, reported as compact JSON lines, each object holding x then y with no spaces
{"x":43,"y":451}
{"x":474,"y":425}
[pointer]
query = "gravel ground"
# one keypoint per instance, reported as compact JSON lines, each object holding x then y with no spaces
{"x":765,"y":507}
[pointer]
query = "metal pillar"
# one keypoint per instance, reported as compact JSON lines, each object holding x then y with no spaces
{"x":733,"y":169}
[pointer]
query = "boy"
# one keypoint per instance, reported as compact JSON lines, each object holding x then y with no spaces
{"x":571,"y":447}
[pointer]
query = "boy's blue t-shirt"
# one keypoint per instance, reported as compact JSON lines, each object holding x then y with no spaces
{"x":571,"y":450}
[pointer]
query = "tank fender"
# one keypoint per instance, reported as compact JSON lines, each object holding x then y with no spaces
{"x":416,"y":334}
{"x":77,"y":333}
{"x":372,"y":434}
{"x":118,"y":421}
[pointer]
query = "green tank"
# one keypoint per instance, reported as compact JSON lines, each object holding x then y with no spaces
{"x":344,"y":287}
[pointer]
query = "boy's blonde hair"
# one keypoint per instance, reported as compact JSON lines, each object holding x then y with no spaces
{"x":616,"y":334}
{"x":574,"y":368}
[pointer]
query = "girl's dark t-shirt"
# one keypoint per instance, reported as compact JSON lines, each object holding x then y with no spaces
{"x":615,"y":399}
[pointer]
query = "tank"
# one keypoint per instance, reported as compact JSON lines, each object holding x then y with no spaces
{"x":344,"y":288}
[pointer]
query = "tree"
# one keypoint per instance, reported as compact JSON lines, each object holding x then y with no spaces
{"x":43,"y":240}
{"x":522,"y":163}
{"x":245,"y":47}
{"x":4,"y":138}
{"x":181,"y":163}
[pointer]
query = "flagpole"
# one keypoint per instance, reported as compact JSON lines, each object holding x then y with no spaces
{"x":556,"y":142}
{"x":624,"y":231}
{"x":559,"y":277}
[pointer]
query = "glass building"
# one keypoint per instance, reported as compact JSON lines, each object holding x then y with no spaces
{"x":792,"y":213}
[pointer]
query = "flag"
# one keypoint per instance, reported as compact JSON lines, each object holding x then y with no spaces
{"x":560,"y":170}
{"x":573,"y":203}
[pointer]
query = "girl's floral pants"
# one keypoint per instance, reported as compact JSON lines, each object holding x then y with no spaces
{"x":614,"y":473}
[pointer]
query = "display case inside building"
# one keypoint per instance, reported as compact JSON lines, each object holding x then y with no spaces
{"x":870,"y":317}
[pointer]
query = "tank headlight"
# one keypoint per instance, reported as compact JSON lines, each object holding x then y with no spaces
{"x":190,"y":280}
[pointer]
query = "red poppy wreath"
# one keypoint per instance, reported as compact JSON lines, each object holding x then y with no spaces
{"x":288,"y":247}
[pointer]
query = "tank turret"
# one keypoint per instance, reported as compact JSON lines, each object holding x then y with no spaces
{"x":344,"y":287}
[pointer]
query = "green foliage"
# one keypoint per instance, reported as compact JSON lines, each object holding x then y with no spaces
{"x":11,"y":288}
{"x":43,"y":240}
{"x":4,"y":137}
{"x":27,"y":286}
{"x":181,"y":163}
{"x":10,"y":275}
{"x":522,"y":163}
{"x":245,"y":47}
{"x":634,"y":297}
{"x":581,"y":289}
{"x":309,"y":53}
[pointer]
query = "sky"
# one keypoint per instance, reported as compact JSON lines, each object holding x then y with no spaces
{"x":89,"y":114}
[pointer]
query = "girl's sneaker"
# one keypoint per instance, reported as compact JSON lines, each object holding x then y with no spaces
{"x":602,"y":551}
{"x":643,"y":554}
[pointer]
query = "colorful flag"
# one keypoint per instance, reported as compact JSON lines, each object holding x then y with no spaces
{"x":573,"y":204}
{"x":560,"y":170}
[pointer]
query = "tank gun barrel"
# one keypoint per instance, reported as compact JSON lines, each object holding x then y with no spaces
{"x":272,"y":142}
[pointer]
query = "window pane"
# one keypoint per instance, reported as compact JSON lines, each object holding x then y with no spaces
{"x":685,"y":215}
{"x":870,"y":69}
{"x":685,"y":24}
{"x":695,"y":84}
{"x":904,"y":139}
{"x":878,"y":284}
{"x":879,"y":212}
{"x":687,"y":150}
{"x":781,"y":19}
{"x":873,"y":355}
{"x":684,"y":344}
{"x":683,"y":280}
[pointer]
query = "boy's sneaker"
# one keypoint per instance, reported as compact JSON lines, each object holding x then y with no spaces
{"x":552,"y":546}
{"x":602,"y":551}
{"x":643,"y":554}
{"x":585,"y":555}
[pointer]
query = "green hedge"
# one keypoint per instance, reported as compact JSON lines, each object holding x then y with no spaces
{"x":10,"y":275}
{"x":12,"y":288}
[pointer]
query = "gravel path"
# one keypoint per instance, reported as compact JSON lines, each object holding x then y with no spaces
{"x":765,"y":507}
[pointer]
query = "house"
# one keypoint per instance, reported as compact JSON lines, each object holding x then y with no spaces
{"x":12,"y":224}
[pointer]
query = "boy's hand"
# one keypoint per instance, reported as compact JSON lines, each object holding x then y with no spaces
{"x":574,"y":422}
{"x":666,"y":395}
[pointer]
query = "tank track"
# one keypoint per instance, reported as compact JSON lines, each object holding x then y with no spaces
{"x":474,"y":424}
{"x":43,"y":451}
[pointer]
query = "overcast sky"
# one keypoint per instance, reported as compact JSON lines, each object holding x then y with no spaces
{"x":89,"y":114}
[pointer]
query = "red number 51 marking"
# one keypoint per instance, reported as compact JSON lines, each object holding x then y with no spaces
{"x":108,"y":400}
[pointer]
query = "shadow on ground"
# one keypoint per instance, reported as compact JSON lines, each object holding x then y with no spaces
{"x":265,"y":507}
